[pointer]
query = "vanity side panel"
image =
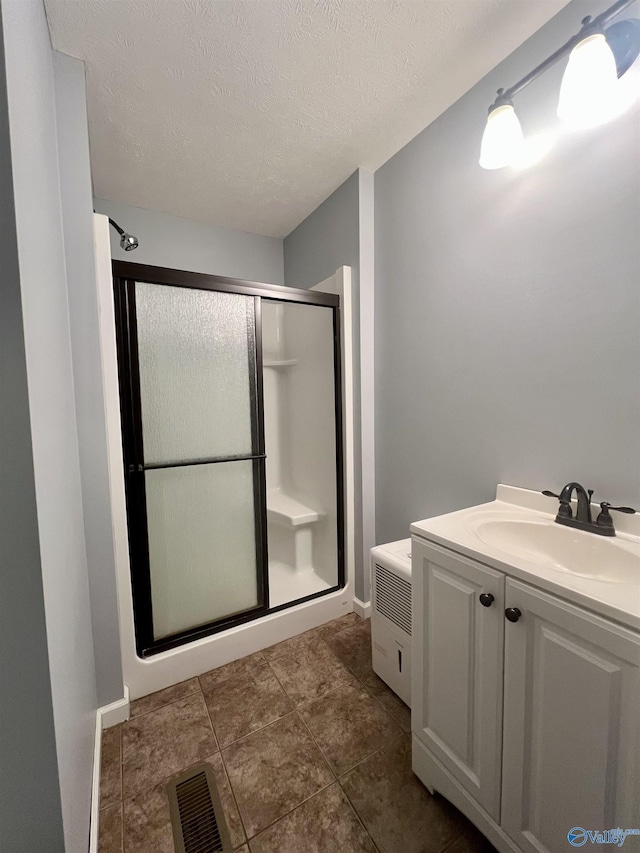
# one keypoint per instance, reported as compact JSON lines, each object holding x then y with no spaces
{"x":458,"y":667}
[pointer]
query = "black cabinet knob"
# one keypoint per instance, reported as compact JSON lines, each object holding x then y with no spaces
{"x":512,"y":614}
{"x":486,"y":599}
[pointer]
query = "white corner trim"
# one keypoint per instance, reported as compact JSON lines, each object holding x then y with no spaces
{"x":362,"y":608}
{"x":95,"y":786}
{"x":366,"y":313}
{"x":107,"y":716}
{"x":116,"y":712}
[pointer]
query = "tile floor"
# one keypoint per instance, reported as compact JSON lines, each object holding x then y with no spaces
{"x":310,"y":749}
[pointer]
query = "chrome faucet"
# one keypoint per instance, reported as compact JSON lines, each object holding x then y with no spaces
{"x":603,"y":525}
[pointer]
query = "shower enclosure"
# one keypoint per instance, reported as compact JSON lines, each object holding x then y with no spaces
{"x":231,"y":416}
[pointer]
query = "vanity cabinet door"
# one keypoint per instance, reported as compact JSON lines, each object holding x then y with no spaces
{"x":571,"y":750}
{"x":457,"y":670}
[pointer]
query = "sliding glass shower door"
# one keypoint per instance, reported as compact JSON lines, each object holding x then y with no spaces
{"x":196,"y":459}
{"x":205,"y":535}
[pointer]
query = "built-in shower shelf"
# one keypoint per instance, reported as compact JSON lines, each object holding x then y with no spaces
{"x":284,"y":508}
{"x":284,"y":363}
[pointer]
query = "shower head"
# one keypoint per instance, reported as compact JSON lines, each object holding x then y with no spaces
{"x":127,"y":241}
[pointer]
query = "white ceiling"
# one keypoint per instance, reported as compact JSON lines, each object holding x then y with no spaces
{"x":249,"y":113}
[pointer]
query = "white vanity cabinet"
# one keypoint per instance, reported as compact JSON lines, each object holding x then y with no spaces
{"x":457,"y":675}
{"x":571,"y":745}
{"x":529,"y":727}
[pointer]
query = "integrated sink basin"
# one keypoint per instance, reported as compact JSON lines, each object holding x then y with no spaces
{"x":561,"y":548}
{"x":517,"y":535}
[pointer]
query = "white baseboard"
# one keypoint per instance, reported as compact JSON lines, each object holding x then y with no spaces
{"x":116,"y":712}
{"x":107,"y":716}
{"x":362,"y":608}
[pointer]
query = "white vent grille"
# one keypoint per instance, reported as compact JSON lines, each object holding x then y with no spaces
{"x":393,"y":598}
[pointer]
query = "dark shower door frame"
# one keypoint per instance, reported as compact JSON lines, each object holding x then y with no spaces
{"x":125,"y":276}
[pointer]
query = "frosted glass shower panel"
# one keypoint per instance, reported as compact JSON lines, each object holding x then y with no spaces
{"x":202,"y":544}
{"x":195,"y":350}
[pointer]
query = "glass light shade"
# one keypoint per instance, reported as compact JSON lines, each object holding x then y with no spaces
{"x":589,"y":90}
{"x":502,"y":139}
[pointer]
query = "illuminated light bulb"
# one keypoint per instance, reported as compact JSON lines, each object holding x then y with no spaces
{"x":589,"y":92}
{"x":502,"y":138}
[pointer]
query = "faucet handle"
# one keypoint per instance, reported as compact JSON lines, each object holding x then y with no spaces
{"x":604,"y":506}
{"x":604,"y":519}
{"x":549,"y":494}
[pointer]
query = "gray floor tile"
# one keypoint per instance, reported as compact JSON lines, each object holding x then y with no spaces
{"x":324,"y":823}
{"x":309,"y":638}
{"x":353,"y":648}
{"x":246,"y":703}
{"x":310,"y":672}
{"x":390,"y":701}
{"x":471,"y":841}
{"x":147,"y":822}
{"x":348,"y":725}
{"x":110,"y":767}
{"x":396,"y":809}
{"x":293,"y":646}
{"x":349,"y":620}
{"x":165,"y":741}
{"x":164,"y":697}
{"x":232,"y":816}
{"x":274,"y":770}
{"x":279,"y":780}
{"x":243,"y":666}
{"x":110,"y":829}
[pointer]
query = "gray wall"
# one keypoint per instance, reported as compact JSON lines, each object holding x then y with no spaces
{"x":77,"y":207}
{"x":331,"y":237}
{"x":507,"y":307}
{"x":327,"y":239}
{"x":30,"y":811}
{"x":183,"y":244}
{"x":43,"y":286}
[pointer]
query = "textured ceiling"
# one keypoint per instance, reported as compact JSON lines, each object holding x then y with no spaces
{"x":249,"y":113}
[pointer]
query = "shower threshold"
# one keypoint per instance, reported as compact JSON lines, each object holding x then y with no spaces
{"x":287,"y":585}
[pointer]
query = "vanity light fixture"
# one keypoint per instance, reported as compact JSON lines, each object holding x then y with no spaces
{"x":598,"y":56}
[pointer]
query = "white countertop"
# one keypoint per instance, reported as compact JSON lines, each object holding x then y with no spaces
{"x":457,"y":531}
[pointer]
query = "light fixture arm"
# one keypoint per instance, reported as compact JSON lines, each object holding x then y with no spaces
{"x":589,"y":25}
